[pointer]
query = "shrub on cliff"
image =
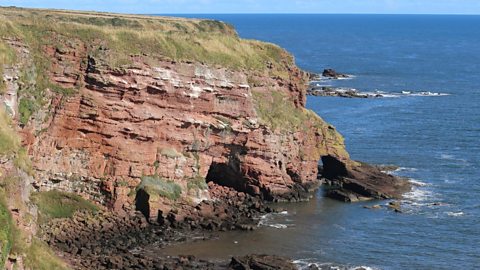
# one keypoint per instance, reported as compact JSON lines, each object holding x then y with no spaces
{"x":157,"y":186}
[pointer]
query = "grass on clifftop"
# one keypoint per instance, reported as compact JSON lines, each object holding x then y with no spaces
{"x":207,"y":41}
{"x":56,"y":204}
{"x":114,"y":39}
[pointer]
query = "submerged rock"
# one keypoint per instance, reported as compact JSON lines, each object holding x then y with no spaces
{"x":261,"y":262}
{"x":396,"y":206}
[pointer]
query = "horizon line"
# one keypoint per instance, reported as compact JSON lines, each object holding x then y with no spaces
{"x":326,"y":13}
{"x":248,"y":13}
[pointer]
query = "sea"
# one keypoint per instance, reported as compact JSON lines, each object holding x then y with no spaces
{"x":427,"y":67}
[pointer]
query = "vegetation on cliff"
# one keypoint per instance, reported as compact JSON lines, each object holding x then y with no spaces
{"x":279,"y":113}
{"x":6,"y":228}
{"x":9,"y":141}
{"x":157,"y":186}
{"x":56,"y":204}
{"x":116,"y":39}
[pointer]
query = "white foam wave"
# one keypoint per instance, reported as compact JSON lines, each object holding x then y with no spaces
{"x":418,"y":183}
{"x":406,"y":169}
{"x":270,"y":220}
{"x":428,"y":94}
{"x":447,"y":157}
{"x":452,"y":158}
{"x":419,"y":195}
{"x":278,"y":226}
{"x":350,"y":77}
{"x":409,"y":94}
{"x":455,"y":214}
{"x":306,"y":264}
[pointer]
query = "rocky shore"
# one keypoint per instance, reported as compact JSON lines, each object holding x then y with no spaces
{"x":107,"y":240}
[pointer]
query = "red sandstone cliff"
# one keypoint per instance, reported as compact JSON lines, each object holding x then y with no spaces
{"x":175,"y":122}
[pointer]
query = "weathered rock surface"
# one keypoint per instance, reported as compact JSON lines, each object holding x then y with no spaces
{"x":177,"y":121}
{"x":354,"y":182}
{"x":331,"y":73}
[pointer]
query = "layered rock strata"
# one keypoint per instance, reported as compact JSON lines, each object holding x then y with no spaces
{"x":360,"y":182}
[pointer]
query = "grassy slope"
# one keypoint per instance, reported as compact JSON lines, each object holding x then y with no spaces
{"x":206,"y":41}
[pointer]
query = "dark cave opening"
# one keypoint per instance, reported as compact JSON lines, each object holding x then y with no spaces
{"x":142,"y":202}
{"x":226,"y":175}
{"x":332,"y":168}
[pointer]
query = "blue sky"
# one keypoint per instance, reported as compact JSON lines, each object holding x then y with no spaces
{"x":260,"y":6}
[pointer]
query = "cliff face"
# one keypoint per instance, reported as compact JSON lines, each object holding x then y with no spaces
{"x":107,"y":115}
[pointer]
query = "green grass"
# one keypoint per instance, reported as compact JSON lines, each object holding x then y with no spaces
{"x":22,"y":161}
{"x":207,"y":41}
{"x":197,"y":183}
{"x":40,"y":257}
{"x":9,"y":141}
{"x":5,"y":230}
{"x":37,"y":254}
{"x":278,"y":112}
{"x":7,"y":57}
{"x":157,"y":186}
{"x":26,"y":108}
{"x":56,"y":204}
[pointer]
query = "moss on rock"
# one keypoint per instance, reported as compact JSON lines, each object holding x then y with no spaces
{"x":56,"y":204}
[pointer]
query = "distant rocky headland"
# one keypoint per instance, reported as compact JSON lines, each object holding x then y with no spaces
{"x":118,"y":131}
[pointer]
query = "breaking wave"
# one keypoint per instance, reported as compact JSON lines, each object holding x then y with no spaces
{"x":306,"y":264}
{"x":275,"y":220}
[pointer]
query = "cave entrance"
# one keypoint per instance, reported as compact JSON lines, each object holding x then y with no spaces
{"x":226,"y":175}
{"x":142,"y":202}
{"x":332,"y":168}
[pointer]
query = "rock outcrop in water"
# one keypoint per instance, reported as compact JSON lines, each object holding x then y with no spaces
{"x":331,"y":73}
{"x":360,"y":182}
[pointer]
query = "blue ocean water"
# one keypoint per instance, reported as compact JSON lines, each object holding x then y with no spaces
{"x":435,"y":140}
